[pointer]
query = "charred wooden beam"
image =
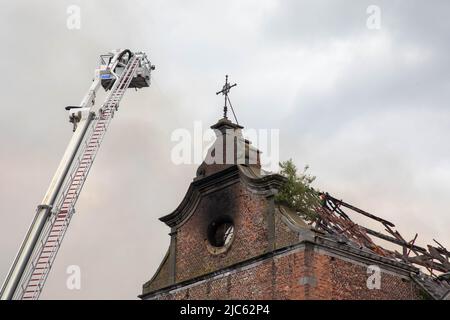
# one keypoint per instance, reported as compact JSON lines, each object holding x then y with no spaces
{"x":394,"y":240}
{"x":364,"y":213}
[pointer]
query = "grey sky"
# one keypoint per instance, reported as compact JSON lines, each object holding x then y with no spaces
{"x":366,"y":109}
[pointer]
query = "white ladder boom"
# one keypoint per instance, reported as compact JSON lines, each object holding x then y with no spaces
{"x":32,"y":265}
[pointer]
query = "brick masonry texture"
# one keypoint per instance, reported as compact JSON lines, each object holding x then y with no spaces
{"x":247,"y":211}
{"x":281,"y":278}
{"x":284,"y":236}
{"x":267,"y":258}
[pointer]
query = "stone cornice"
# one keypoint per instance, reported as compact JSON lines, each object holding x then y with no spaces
{"x":259,"y":184}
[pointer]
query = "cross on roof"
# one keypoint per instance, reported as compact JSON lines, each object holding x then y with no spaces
{"x":225,"y":90}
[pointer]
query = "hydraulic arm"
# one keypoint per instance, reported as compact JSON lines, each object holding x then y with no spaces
{"x":118,"y":71}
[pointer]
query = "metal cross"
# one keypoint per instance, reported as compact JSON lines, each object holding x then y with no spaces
{"x":225,"y":90}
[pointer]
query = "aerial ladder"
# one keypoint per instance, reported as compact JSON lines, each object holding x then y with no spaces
{"x":118,"y":71}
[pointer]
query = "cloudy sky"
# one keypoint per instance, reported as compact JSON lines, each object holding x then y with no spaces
{"x":367,"y":109}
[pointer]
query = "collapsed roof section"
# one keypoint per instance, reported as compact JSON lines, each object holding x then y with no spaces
{"x":333,"y":219}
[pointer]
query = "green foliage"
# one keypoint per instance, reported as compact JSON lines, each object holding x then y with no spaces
{"x":297,"y":192}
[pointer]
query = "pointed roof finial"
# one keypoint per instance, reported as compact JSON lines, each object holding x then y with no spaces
{"x":225,"y":90}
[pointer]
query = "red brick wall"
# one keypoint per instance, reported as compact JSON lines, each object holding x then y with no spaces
{"x":248,"y":212}
{"x":303,"y":273}
{"x":284,"y":236}
{"x":283,"y":277}
{"x":339,"y":279}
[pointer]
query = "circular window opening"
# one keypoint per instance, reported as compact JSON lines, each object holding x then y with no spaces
{"x":221,"y":232}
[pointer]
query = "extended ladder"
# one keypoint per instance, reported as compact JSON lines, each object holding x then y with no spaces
{"x":29,"y":282}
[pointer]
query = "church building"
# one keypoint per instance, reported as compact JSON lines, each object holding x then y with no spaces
{"x":230,"y":239}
